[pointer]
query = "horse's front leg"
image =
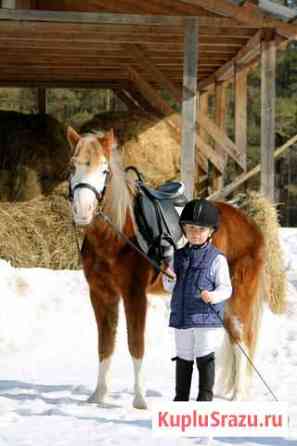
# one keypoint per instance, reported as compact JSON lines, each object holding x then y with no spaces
{"x":135,"y":308}
{"x":107,"y":319}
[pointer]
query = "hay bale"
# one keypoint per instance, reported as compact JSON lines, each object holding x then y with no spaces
{"x":39,"y":233}
{"x":265,"y":215}
{"x":23,"y":185}
{"x":34,"y":142}
{"x":145,"y":142}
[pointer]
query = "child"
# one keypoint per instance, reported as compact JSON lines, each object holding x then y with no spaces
{"x":201,"y":277}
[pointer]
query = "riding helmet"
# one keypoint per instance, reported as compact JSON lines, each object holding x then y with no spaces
{"x":201,"y":213}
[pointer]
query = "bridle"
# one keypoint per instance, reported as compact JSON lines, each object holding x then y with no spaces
{"x":99,"y":195}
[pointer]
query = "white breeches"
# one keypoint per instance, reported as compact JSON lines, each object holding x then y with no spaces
{"x":192,"y":343}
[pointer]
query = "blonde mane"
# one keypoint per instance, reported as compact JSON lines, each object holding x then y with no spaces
{"x":119,"y":193}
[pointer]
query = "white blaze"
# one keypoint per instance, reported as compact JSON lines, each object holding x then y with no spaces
{"x":84,"y":199}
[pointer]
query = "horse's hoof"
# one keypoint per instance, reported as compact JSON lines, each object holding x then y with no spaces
{"x":97,"y":397}
{"x":237,"y":396}
{"x":139,"y":402}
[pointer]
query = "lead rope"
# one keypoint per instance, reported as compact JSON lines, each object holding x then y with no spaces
{"x":158,"y":268}
{"x":124,"y":237}
{"x":244,"y":352}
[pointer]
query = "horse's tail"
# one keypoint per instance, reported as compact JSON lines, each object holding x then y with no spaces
{"x":274,"y":281}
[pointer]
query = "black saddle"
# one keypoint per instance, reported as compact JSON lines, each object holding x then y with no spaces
{"x":157,"y":218}
{"x":173,"y":191}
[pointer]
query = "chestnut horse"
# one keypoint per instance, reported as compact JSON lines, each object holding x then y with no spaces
{"x":114,"y":269}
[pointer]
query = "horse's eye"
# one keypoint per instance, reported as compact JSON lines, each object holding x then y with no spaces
{"x":88,"y":163}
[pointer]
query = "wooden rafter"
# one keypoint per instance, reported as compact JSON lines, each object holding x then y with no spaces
{"x":221,"y":138}
{"x":105,"y":18}
{"x":172,"y":117}
{"x":217,"y":133}
{"x":244,"y":56}
{"x":248,"y":14}
{"x":143,"y":57}
{"x":127,"y":99}
{"x":64,"y":83}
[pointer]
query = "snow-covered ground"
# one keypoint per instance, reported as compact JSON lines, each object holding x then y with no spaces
{"x":48,"y":364}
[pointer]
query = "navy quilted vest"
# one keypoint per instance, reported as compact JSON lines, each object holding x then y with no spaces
{"x":192,"y":267}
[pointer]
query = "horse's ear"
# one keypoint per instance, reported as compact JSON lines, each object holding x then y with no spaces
{"x":107,"y":142}
{"x":73,"y":137}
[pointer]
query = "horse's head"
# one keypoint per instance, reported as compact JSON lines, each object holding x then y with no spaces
{"x":90,"y":171}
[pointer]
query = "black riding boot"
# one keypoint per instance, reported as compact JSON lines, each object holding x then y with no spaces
{"x":206,"y":368}
{"x":183,"y":379}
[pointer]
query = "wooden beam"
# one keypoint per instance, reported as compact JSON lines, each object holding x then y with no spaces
{"x":213,"y":130}
{"x":241,"y":113}
{"x":18,"y":58}
{"x":244,"y":55}
{"x":221,"y":138}
{"x":103,"y":53}
{"x":62,"y":83}
{"x":142,"y":56}
{"x":143,"y":103}
{"x":41,"y":93}
{"x":163,"y":40}
{"x":88,"y":17}
{"x":210,"y":154}
{"x":247,"y":14}
{"x":50,"y":54}
{"x":172,"y":118}
{"x":268,"y":66}
{"x":12,"y":26}
{"x":170,"y":48}
{"x":106,"y":18}
{"x":189,"y":106}
{"x":278,"y":153}
{"x":127,"y":99}
{"x":220,"y":115}
{"x":203,"y":108}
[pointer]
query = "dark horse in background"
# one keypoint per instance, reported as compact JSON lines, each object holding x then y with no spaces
{"x":114,"y":269}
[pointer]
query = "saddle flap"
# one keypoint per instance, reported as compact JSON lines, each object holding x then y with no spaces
{"x":158,"y":224}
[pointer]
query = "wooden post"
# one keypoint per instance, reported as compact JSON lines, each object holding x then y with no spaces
{"x":268,"y":62}
{"x":41,"y":100}
{"x":189,"y":105}
{"x":240,"y":87}
{"x":220,"y":112}
{"x":203,"y":108}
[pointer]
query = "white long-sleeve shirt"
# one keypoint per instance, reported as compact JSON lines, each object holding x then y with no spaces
{"x":219,"y":272}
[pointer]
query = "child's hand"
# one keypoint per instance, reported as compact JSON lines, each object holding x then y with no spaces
{"x":206,"y":297}
{"x":171,"y":273}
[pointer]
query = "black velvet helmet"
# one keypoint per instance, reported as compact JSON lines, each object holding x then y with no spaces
{"x":201,"y":213}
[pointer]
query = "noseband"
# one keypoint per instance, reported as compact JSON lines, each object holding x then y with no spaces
{"x":99,"y":195}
